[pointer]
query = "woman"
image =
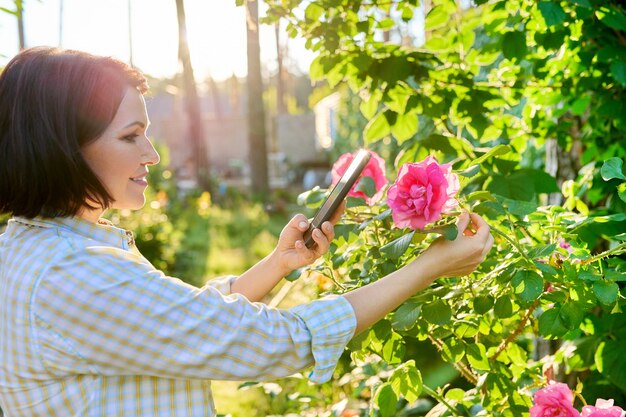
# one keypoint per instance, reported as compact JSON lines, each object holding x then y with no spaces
{"x":88,"y":326}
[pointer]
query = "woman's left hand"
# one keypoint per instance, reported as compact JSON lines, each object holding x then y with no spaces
{"x":291,"y":251}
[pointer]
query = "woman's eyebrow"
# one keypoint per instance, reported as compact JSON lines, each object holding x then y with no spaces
{"x":140,"y":124}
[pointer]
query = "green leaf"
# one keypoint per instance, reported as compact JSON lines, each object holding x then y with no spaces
{"x":495,"y":151}
{"x":312,"y":198}
{"x":612,"y":168}
{"x":551,"y":324}
{"x":355,"y":202}
{"x":313,"y":12}
{"x":481,"y":196}
{"x":519,"y":208}
{"x":552,"y":12}
{"x":405,"y":127}
{"x":452,"y":350}
{"x":436,"y":43}
{"x":543,"y":267}
{"x":377,"y":128}
{"x":405,"y":317}
{"x":503,"y":307}
{"x":514,"y":45}
{"x":393,"y":349}
{"x":465,"y":329}
{"x":621,"y":191}
{"x":606,"y":292}
{"x":407,"y":13}
{"x":528,"y":284}
{"x":396,"y":248}
{"x":295,"y":274}
{"x":448,"y":231}
{"x":483,"y":304}
{"x":369,"y":107}
{"x":612,"y":17}
{"x":386,"y":400}
{"x":580,"y":105}
{"x":477,"y":356}
{"x":437,"y":312}
{"x":609,"y":359}
{"x":316,"y":69}
{"x":455,"y":394}
{"x":471,"y":171}
{"x":543,"y":182}
{"x":406,"y":380}
{"x":541,"y":251}
{"x":571,"y":315}
{"x":367,"y":185}
{"x":618,"y":71}
{"x":436,"y":18}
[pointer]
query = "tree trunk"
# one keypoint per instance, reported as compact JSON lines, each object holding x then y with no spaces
{"x":192,"y":103}
{"x":19,"y":13}
{"x":280,"y":76}
{"x":256,"y":115}
{"x":215,"y":95}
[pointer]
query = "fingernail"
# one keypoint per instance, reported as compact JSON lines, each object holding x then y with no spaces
{"x":303,"y":225}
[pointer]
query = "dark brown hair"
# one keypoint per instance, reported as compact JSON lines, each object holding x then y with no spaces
{"x":53,"y":102}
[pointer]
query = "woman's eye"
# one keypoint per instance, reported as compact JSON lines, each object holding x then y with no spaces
{"x":130,"y":138}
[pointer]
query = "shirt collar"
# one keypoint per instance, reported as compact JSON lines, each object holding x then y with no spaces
{"x":103,"y":231}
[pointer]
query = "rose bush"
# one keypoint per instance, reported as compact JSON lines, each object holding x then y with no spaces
{"x":524,"y":100}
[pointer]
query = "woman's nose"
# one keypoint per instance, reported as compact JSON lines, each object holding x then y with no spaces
{"x":151,"y":156}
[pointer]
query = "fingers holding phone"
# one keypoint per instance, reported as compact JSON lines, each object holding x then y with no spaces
{"x":336,"y":198}
{"x":291,"y":251}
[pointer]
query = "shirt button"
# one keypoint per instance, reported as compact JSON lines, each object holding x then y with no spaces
{"x":130,"y":238}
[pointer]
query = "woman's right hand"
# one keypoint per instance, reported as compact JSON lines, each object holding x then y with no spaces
{"x":460,"y":256}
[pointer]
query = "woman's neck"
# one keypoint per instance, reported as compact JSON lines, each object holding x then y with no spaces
{"x":91,"y":215}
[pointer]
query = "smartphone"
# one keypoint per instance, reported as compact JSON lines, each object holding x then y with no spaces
{"x":337,"y":195}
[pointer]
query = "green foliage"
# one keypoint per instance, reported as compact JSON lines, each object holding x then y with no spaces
{"x":496,"y":90}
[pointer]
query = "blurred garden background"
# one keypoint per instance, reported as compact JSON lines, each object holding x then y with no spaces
{"x":250,"y":105}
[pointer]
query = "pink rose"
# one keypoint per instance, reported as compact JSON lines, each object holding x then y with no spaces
{"x":555,"y":400}
{"x":374,"y":169}
{"x":422,"y":192}
{"x":603,"y":408}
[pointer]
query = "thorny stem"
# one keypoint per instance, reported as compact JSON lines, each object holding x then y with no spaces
{"x":515,"y":333}
{"x":332,"y":277}
{"x":513,"y":243}
{"x":460,"y":366}
{"x":580,"y":397}
{"x":615,"y":251}
{"x":440,"y":398}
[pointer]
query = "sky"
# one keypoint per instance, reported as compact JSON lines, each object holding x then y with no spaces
{"x":216,"y":32}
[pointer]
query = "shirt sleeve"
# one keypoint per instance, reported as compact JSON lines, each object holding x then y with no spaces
{"x":222,"y":284}
{"x":108,"y":311}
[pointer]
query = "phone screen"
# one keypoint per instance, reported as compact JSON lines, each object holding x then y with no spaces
{"x":337,"y":194}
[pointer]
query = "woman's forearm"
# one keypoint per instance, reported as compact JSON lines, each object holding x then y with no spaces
{"x":259,"y":280}
{"x":372,"y":302}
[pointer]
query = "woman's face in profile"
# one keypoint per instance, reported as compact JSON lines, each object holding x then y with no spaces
{"x":121,"y":155}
